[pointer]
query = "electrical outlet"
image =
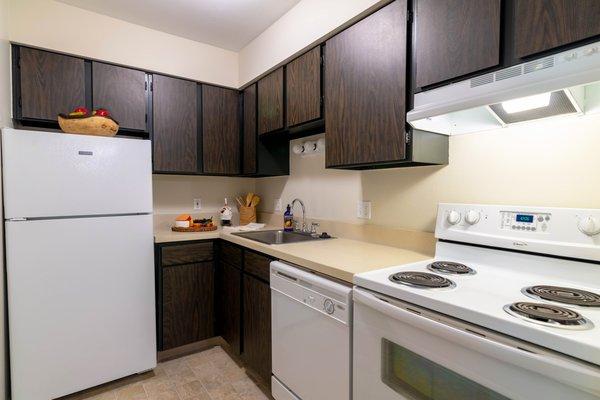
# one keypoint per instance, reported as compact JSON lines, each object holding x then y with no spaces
{"x":364,"y":210}
{"x":197,"y":204}
{"x":278,"y":205}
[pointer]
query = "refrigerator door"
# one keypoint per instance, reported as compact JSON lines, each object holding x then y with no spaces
{"x":82,"y":303}
{"x":54,"y":174}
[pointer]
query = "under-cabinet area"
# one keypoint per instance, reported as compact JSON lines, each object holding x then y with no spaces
{"x":215,"y":288}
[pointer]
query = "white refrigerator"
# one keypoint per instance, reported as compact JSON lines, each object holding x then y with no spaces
{"x":79,"y":261}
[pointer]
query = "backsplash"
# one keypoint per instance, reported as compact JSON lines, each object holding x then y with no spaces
{"x":175,"y":194}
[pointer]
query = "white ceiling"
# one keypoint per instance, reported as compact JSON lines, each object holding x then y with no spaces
{"x":229,"y":24}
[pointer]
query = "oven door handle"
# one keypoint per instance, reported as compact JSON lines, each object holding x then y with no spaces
{"x":572,"y":373}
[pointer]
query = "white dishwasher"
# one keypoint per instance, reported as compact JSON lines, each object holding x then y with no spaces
{"x":311,"y":328}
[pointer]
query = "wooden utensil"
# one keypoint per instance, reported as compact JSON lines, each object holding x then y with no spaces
{"x":239,"y":200}
{"x":249,"y":198}
{"x":255,"y":201}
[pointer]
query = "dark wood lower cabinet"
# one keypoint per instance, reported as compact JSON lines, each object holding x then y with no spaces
{"x":257,"y":327}
{"x":230,"y":306}
{"x":188,"y":304}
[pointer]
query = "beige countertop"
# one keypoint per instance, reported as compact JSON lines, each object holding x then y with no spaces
{"x":339,"y":258}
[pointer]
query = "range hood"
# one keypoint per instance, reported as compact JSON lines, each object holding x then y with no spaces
{"x":566,"y":83}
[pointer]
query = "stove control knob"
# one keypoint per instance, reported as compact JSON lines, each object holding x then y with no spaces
{"x":589,"y":225}
{"x":453,"y":217}
{"x":473,"y":217}
{"x":328,"y":306}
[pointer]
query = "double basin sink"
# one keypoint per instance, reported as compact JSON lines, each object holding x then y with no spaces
{"x":280,"y":236}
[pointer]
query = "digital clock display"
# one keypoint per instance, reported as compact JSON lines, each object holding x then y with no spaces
{"x":525,"y":218}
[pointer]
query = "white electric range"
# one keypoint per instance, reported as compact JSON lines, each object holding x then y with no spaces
{"x":508,"y":308}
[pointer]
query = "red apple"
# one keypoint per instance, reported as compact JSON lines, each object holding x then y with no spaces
{"x":82,"y":110}
{"x":101,"y":112}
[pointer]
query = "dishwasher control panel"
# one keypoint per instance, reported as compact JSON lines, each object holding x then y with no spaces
{"x":325,"y":296}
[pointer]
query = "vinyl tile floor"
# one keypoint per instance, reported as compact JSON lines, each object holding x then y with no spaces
{"x":207,"y":375}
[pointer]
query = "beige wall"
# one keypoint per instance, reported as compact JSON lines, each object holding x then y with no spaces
{"x":306,"y":22}
{"x":53,"y":25}
{"x":175,"y":194}
{"x":550,"y":163}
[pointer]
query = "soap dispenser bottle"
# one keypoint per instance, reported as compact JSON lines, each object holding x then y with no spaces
{"x":226,"y":214}
{"x":288,"y":219}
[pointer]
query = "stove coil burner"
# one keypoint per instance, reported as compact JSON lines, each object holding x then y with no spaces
{"x":549,"y":315}
{"x":448,"y":267}
{"x":570,"y":296}
{"x":422,"y":280}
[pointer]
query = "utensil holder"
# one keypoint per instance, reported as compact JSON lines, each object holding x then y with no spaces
{"x":247,"y":215}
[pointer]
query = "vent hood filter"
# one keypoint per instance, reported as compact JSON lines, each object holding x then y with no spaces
{"x":571,"y":78}
{"x":560,"y":104}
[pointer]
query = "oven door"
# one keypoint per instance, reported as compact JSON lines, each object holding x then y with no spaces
{"x":404,"y":352}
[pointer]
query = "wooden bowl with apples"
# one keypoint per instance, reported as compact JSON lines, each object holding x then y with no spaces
{"x":81,"y":122}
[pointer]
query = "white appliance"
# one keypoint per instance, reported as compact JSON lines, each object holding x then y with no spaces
{"x":508,"y":309}
{"x":311,"y":329}
{"x":560,"y":84}
{"x":79,"y":259}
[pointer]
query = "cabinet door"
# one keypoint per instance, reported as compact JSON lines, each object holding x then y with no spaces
{"x":50,"y":84}
{"x":365,"y":83}
{"x":220,"y":131}
{"x":257,"y":326}
{"x":542,"y":25}
{"x":303,"y":88}
{"x":230,"y":313}
{"x":188,"y":304}
{"x":175,"y":129}
{"x":454,"y":38}
{"x":270,"y":102}
{"x":122,"y":91}
{"x":249,"y":148}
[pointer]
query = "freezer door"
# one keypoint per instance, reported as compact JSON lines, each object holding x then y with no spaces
{"x":81,"y":303}
{"x":54,"y":174}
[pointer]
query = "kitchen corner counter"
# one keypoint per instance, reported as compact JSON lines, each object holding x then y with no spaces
{"x":339,"y":258}
{"x":166,"y":235}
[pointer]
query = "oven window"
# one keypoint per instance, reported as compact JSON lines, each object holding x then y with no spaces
{"x":417,"y":378}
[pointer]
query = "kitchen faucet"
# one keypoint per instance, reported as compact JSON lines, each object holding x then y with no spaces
{"x":303,"y":227}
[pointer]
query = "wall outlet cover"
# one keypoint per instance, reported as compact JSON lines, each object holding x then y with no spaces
{"x":197,"y":204}
{"x":278,"y":206}
{"x":364,"y":210}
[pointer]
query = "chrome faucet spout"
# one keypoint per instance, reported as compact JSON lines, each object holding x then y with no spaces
{"x":297,"y":200}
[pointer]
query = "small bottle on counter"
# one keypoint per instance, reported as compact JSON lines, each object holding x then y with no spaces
{"x":226,"y":214}
{"x":288,"y":219}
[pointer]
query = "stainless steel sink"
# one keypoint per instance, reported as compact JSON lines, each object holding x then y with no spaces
{"x":279,"y":237}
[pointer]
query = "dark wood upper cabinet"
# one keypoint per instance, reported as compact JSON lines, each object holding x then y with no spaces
{"x":365,"y":90}
{"x":257,"y":326}
{"x":188,"y":304}
{"x":542,"y":25}
{"x":249,"y":143}
{"x":175,"y":125}
{"x":123,"y":92}
{"x":303,"y":88}
{"x":270,"y":102}
{"x":50,"y":84}
{"x":454,"y":38}
{"x":220,"y":130}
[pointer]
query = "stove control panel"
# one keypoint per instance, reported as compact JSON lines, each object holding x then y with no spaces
{"x":566,"y":232}
{"x":525,"y":221}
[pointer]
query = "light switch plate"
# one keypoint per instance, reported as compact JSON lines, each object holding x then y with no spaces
{"x":278,"y":206}
{"x":197,"y":204}
{"x":364,"y":210}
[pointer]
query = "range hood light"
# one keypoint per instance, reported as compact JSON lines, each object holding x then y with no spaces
{"x":526,"y":103}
